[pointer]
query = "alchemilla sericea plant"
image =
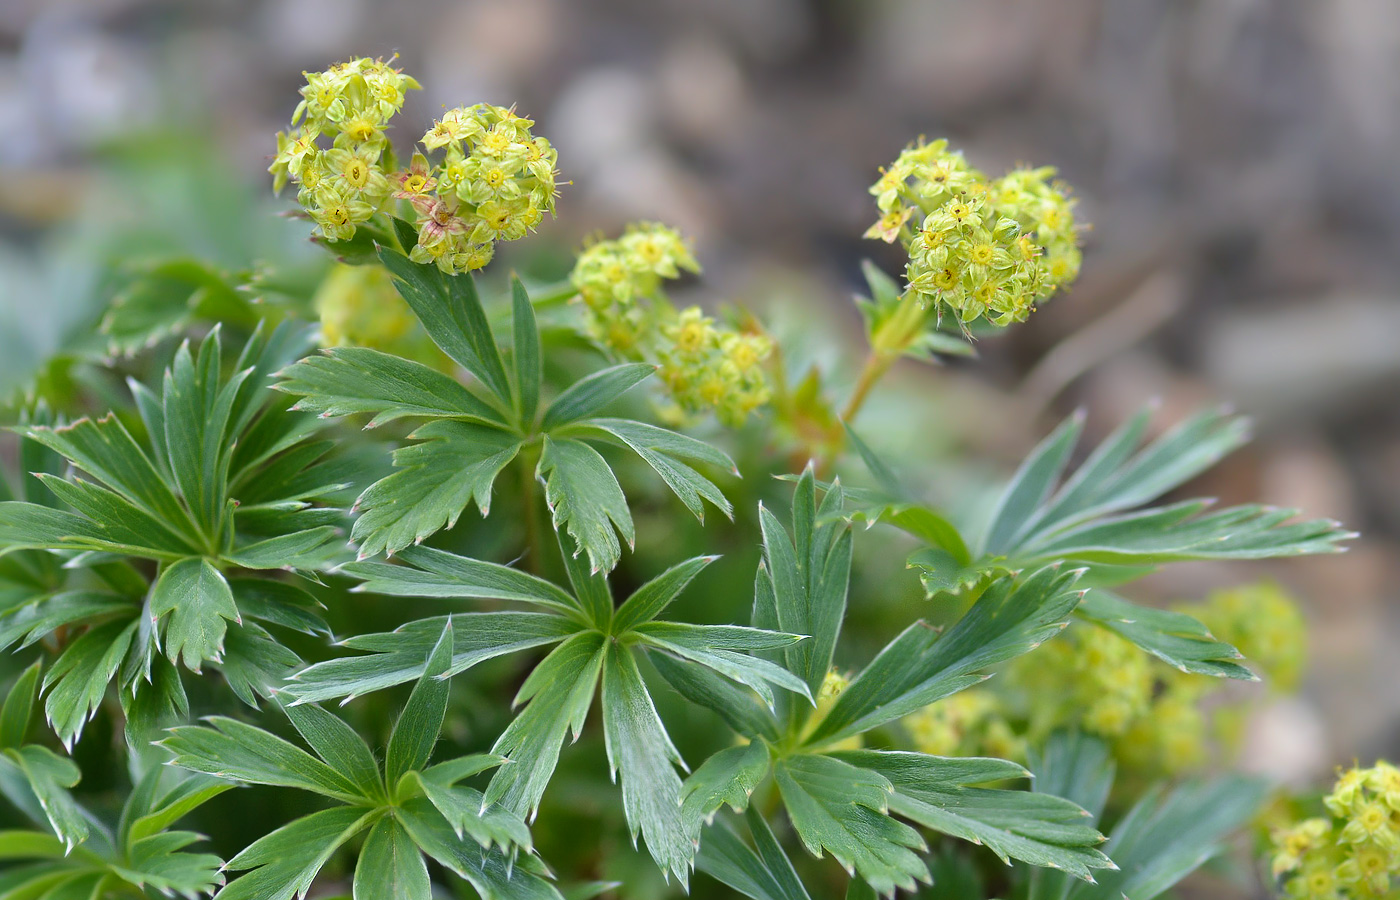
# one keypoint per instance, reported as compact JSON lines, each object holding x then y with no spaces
{"x":484,"y":644}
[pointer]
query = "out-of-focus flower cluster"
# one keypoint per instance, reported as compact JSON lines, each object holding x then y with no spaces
{"x":705,"y":367}
{"x":969,"y":723}
{"x":495,"y":180}
{"x":1159,"y":720}
{"x":351,"y":103}
{"x":359,"y":307}
{"x":1354,"y":851}
{"x":980,"y":247}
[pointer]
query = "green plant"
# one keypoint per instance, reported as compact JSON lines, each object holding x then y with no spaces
{"x":220,"y":517}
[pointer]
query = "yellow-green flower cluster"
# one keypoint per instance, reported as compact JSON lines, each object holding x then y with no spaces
{"x":343,"y":185}
{"x":495,"y":182}
{"x":1088,"y":677}
{"x":704,"y":366}
{"x":711,"y":369}
{"x":1352,"y":853}
{"x":1173,"y":734}
{"x":969,"y":723}
{"x":620,"y":283}
{"x":1265,"y":624}
{"x":980,"y":247}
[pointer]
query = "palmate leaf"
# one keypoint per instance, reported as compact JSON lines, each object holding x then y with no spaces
{"x":922,"y":665}
{"x":38,"y":780}
{"x":802,"y":584}
{"x":197,"y":600}
{"x":1092,"y":517}
{"x":729,"y":777}
{"x":640,"y":750}
{"x":77,"y":680}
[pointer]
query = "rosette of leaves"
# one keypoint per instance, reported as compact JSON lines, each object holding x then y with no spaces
{"x":73,"y":852}
{"x":476,"y":430}
{"x":1101,"y":516}
{"x":157,"y":548}
{"x":408,"y":809}
{"x":597,"y":645}
{"x":843,"y":803}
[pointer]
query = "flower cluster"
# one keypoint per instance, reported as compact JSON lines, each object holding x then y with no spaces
{"x":359,"y":307}
{"x":704,"y":366}
{"x":712,"y":369}
{"x":620,"y":282}
{"x":351,"y":103}
{"x":980,"y":247}
{"x":1354,"y":852}
{"x":1090,"y":675}
{"x":495,"y":182}
{"x":969,"y":723}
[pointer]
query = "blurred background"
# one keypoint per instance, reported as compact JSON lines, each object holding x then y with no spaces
{"x":1237,"y":160}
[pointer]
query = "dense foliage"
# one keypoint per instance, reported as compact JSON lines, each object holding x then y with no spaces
{"x":508,"y":582}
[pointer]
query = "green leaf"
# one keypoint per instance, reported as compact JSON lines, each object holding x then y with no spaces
{"x":840,"y":809}
{"x":1175,"y":638}
{"x":50,"y":776}
{"x":142,"y":818}
{"x":590,"y":394}
{"x":803,"y":581}
{"x":451,"y":313}
{"x":526,"y":354}
{"x":198,"y":601}
{"x":649,"y":600}
{"x":235,"y":751}
{"x":940,"y":571}
{"x":490,"y":873}
{"x":1077,"y":767}
{"x":400,"y":656}
{"x":713,"y":646}
{"x":1087,"y":518}
{"x":739,"y":708}
{"x":938,"y":793}
{"x":585,"y":498}
{"x":197,"y":413}
{"x":923,"y":664}
{"x":285,"y":863}
{"x":298,"y":550}
{"x":254,"y":664}
{"x":418,"y":726}
{"x":1164,"y":838}
{"x":390,"y":865}
{"x":453,"y":464}
{"x":764,"y":874}
{"x":106,"y":450}
{"x":640,"y":749}
{"x":19,"y":707}
{"x":338,"y":746}
{"x":467,"y":812}
{"x":118,"y":520}
{"x":156,"y":862}
{"x":730,"y":776}
{"x":438,"y":574}
{"x":533,"y":739}
{"x":668,"y":454}
{"x":349,"y":380}
{"x":77,"y":680}
{"x":278,"y":603}
{"x":26,"y":526}
{"x":31,"y":621}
